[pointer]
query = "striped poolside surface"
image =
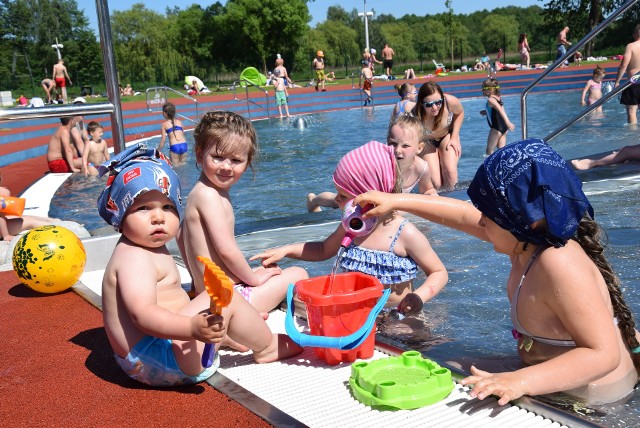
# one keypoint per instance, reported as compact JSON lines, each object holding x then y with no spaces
{"x":23,"y":143}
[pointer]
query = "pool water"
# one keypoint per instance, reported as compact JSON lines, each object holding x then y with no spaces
{"x":293,"y":162}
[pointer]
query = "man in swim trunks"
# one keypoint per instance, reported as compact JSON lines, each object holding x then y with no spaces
{"x":318,"y":67}
{"x":631,"y":65}
{"x":49,"y":85}
{"x":562,"y":43}
{"x":59,"y":150}
{"x":59,"y":76}
{"x":387,"y":59}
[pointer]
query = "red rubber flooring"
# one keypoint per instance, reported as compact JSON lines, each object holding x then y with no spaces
{"x":57,"y":369}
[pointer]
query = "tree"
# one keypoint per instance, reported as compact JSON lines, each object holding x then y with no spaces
{"x":340,"y":41}
{"x":143,"y":47}
{"x":581,"y":15}
{"x":499,"y":31}
{"x":267,"y":26}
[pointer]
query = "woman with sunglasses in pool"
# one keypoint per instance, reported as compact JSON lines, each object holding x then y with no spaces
{"x":442,"y":115}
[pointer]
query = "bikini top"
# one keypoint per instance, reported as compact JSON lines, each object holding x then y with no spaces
{"x":401,"y":105}
{"x":173,"y":129}
{"x":596,"y":86}
{"x":410,"y":188}
{"x":387,"y":266}
{"x":447,"y":124}
{"x":514,"y":310}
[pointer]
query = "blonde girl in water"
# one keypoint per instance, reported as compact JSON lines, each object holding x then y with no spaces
{"x":593,"y":88}
{"x":395,"y":248}
{"x":172,"y":128}
{"x":441,"y":115}
{"x":406,"y":137}
{"x":573,"y":329}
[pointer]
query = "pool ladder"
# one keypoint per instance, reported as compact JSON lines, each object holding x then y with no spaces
{"x":523,"y":97}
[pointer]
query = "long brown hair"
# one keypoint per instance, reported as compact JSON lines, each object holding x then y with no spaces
{"x":590,"y":237}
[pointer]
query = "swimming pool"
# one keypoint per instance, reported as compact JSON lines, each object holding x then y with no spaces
{"x":294,"y":162}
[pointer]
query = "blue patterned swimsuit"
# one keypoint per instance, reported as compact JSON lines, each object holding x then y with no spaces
{"x":387,"y":266}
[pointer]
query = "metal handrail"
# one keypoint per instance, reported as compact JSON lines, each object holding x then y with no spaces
{"x":247,"y":83}
{"x":157,"y":99}
{"x":55,"y":111}
{"x":560,"y":61}
{"x":590,"y":108}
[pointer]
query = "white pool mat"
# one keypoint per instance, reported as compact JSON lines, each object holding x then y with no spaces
{"x":318,"y":395}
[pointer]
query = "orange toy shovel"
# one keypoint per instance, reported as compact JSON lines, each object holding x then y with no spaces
{"x":220,"y":290}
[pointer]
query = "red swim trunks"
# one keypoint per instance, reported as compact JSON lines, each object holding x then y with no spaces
{"x":59,"y":165}
{"x":61,"y":82}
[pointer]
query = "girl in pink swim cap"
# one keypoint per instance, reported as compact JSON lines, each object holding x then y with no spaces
{"x":393,"y":250}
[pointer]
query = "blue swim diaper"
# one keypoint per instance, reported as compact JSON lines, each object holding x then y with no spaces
{"x":152,"y":362}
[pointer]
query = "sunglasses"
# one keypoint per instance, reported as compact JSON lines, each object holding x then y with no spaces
{"x":437,"y":103}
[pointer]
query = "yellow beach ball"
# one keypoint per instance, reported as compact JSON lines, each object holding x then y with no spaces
{"x":49,"y":259}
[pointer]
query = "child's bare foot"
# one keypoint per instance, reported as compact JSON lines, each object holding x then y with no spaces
{"x":581,"y":164}
{"x":281,"y":347}
{"x":311,"y":207}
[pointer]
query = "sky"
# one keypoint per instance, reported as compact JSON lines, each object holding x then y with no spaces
{"x":318,"y":8}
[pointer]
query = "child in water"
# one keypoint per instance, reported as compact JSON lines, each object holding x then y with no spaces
{"x":157,"y":333}
{"x":405,"y":136}
{"x":593,"y":88}
{"x":392,"y":251}
{"x":172,"y":128}
{"x":574,"y":331}
{"x":95,"y":151}
{"x":408,"y":93}
{"x":225,"y":145}
{"x":496,"y":115}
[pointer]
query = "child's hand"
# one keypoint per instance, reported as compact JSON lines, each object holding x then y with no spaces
{"x":264,"y":274}
{"x":511,"y":126}
{"x":411,"y":304}
{"x":208,"y":328}
{"x":583,"y":103}
{"x":381,"y":201}
{"x":270,"y":256}
{"x":507,"y":386}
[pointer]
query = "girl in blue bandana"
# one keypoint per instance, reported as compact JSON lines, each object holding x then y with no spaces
{"x":574,"y":331}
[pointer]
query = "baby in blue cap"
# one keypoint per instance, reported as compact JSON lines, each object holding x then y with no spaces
{"x":157,"y":333}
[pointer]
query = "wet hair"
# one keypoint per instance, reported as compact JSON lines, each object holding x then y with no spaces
{"x":598,"y":71}
{"x":429,"y":88}
{"x":65,"y":120}
{"x":490,"y":86}
{"x":92,"y":126}
{"x":590,"y":236}
{"x":404,"y":89}
{"x":408,"y":120}
{"x":222,"y":131}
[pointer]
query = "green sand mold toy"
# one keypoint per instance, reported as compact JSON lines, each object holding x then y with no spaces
{"x":404,"y":382}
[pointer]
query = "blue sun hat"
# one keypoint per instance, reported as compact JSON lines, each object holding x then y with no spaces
{"x":527,"y":181}
{"x":132,"y":172}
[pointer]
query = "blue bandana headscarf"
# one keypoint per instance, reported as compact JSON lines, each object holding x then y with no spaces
{"x":528,"y":181}
{"x":134,"y":171}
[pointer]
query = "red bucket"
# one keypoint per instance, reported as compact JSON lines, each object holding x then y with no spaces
{"x":340,"y":311}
